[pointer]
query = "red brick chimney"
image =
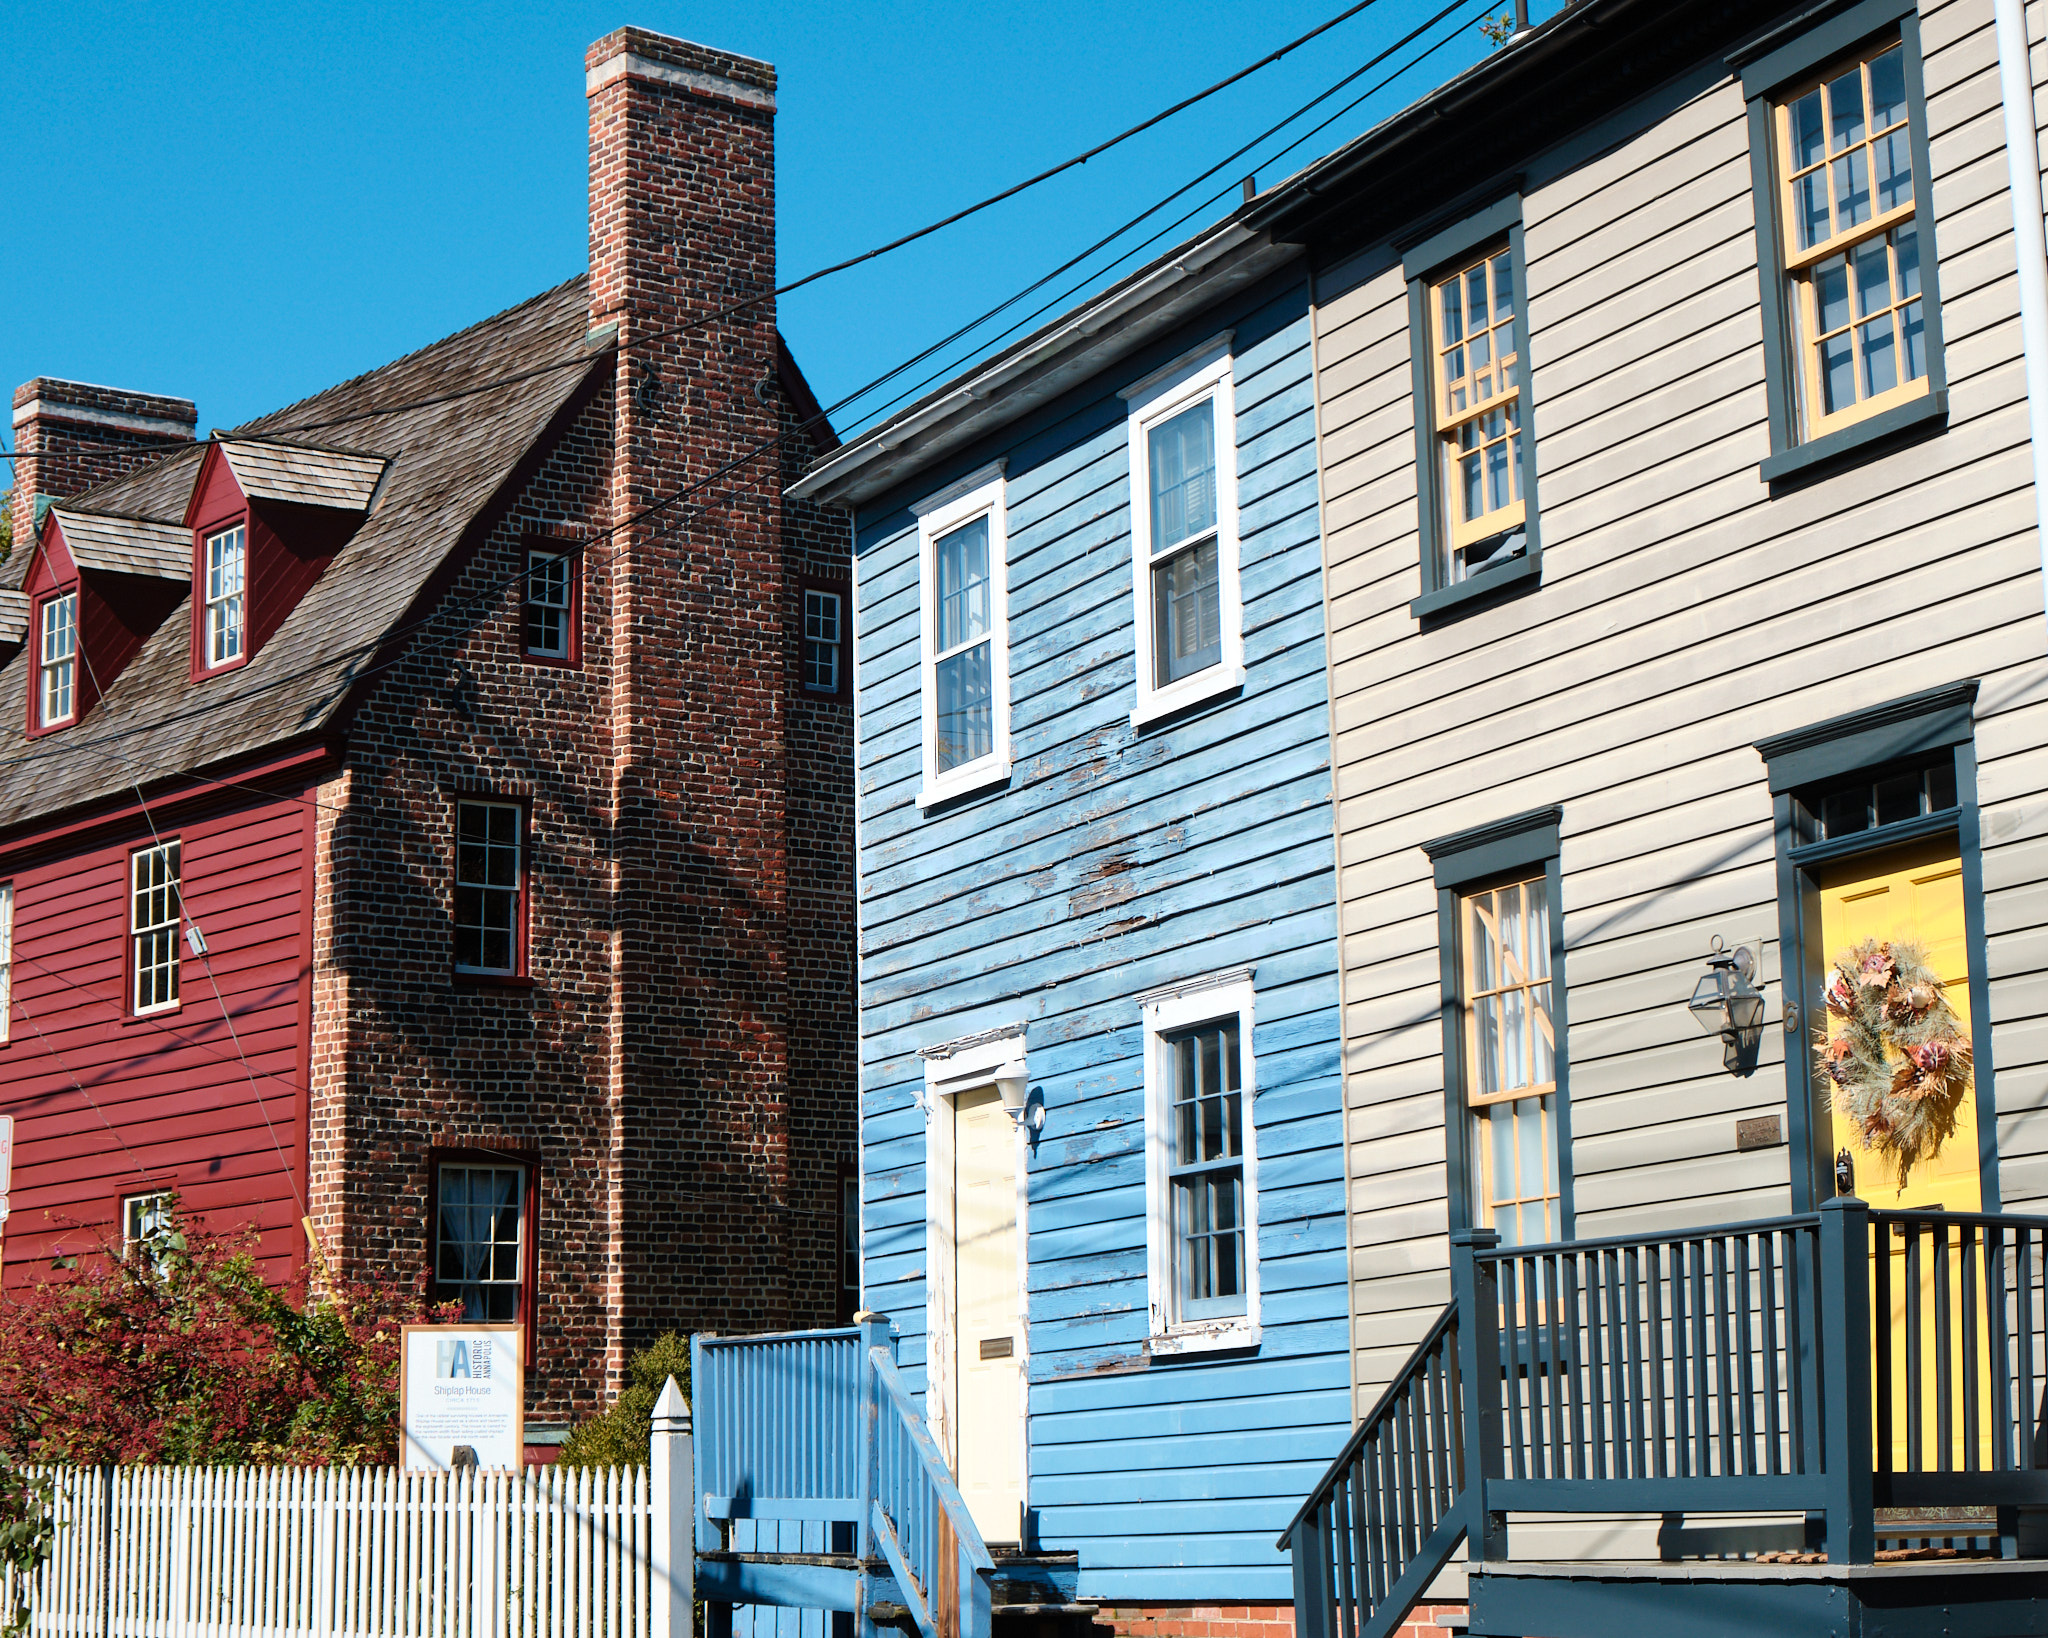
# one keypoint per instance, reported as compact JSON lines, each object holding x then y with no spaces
{"x":682,"y":227}
{"x":69,"y":436}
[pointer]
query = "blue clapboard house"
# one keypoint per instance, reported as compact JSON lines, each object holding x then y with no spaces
{"x":1102,"y":1178}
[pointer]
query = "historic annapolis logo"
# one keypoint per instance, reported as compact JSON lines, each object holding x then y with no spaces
{"x":465,"y":1357}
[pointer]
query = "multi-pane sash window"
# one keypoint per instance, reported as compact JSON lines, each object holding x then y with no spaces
{"x":480,"y":1240}
{"x":1206,"y":1171}
{"x":1187,"y":586}
{"x":227,"y":559}
{"x":6,"y":959}
{"x":1845,"y":161}
{"x":824,"y":640}
{"x":1476,"y":347}
{"x":143,"y":1218}
{"x":57,"y":664}
{"x":154,"y":913}
{"x":489,"y":886}
{"x":963,"y":661}
{"x":1511,"y":1069}
{"x":548,"y":604}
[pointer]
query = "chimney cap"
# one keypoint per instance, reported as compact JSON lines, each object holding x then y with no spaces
{"x":644,"y":48}
{"x":49,"y":398}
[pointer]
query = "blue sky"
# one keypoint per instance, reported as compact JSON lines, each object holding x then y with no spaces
{"x":242,"y":204}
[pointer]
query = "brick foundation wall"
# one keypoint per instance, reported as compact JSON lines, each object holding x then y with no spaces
{"x":70,"y":435}
{"x":1243,"y":1620}
{"x":1197,"y":1620}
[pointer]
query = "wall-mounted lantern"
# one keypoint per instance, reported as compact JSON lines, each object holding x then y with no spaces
{"x":1727,"y":1003}
{"x":1015,"y":1091}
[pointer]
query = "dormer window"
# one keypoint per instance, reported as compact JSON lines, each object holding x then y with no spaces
{"x":227,"y":564}
{"x":261,"y":525}
{"x":57,"y":660}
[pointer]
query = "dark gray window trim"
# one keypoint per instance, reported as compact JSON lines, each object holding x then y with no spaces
{"x":1761,"y":77}
{"x":1429,"y":256}
{"x":1913,"y":726}
{"x":1460,"y":862}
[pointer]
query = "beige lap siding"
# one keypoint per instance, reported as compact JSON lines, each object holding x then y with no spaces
{"x":1684,"y":613}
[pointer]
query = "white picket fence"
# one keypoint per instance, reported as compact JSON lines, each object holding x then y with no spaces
{"x":254,"y":1552}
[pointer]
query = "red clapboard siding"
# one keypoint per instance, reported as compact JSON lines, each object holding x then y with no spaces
{"x":108,"y":1105}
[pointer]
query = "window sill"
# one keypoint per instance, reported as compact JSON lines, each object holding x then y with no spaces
{"x":1199,"y":689}
{"x":1205,"y":1337}
{"x":494,"y":981}
{"x":981,"y":776}
{"x":1846,"y":441}
{"x":1488,"y":582}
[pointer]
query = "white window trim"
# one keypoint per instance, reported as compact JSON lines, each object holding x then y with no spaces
{"x":978,"y":494}
{"x":218,"y":607}
{"x":1202,"y":1000}
{"x":137,"y":934}
{"x":566,"y":608}
{"x":6,"y":961}
{"x":44,"y":665}
{"x":154,"y":1203}
{"x":1204,"y":373}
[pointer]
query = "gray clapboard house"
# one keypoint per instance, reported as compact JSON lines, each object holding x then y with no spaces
{"x":1685,"y":622}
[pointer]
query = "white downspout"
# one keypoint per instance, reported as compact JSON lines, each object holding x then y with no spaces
{"x":2023,"y":170}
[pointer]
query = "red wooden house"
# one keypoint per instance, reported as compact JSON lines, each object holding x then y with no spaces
{"x":425,"y":824}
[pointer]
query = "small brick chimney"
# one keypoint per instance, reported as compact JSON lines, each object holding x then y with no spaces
{"x":70,"y":435}
{"x":682,"y":227}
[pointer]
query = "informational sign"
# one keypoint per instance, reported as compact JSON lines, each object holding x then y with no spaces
{"x":462,"y":1399}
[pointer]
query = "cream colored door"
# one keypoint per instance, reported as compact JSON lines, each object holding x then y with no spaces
{"x":987,"y":1332}
{"x":1914,"y":895}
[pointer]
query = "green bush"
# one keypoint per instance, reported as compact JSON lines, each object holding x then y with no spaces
{"x":620,"y":1436}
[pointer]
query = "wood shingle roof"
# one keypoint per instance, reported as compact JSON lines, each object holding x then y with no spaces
{"x":453,"y":420}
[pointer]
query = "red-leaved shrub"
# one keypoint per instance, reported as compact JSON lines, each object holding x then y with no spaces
{"x":175,"y":1350}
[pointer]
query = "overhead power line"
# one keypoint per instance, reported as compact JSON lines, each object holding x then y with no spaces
{"x":912,"y":237}
{"x":593,"y":546}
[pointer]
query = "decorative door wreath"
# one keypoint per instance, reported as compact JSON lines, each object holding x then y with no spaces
{"x":1900,"y":1064}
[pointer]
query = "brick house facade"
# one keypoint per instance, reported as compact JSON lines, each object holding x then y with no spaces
{"x":661,"y":1056}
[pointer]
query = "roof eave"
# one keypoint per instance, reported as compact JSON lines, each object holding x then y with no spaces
{"x":1098,"y":332}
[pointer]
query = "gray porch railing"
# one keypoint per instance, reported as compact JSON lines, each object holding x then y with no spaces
{"x":1824,"y":1365}
{"x":817,"y":1427}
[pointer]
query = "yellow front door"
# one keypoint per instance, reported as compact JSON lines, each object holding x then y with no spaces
{"x":987,"y":1332}
{"x":1913,"y":895}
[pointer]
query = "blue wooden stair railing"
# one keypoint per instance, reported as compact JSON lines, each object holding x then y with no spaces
{"x":920,"y":1521}
{"x":817,"y":1428}
{"x":1386,"y":1516}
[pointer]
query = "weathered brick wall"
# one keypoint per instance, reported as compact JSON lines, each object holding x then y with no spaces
{"x":76,"y":437}
{"x":409,"y":1058}
{"x":824,"y":1065}
{"x":683,"y":227}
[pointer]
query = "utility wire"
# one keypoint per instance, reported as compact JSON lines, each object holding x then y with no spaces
{"x":910,"y":238}
{"x":1135,"y":221}
{"x":587,"y":547}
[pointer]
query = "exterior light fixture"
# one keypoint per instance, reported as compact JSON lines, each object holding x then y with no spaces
{"x":1015,"y":1091}
{"x":1727,"y":1003}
